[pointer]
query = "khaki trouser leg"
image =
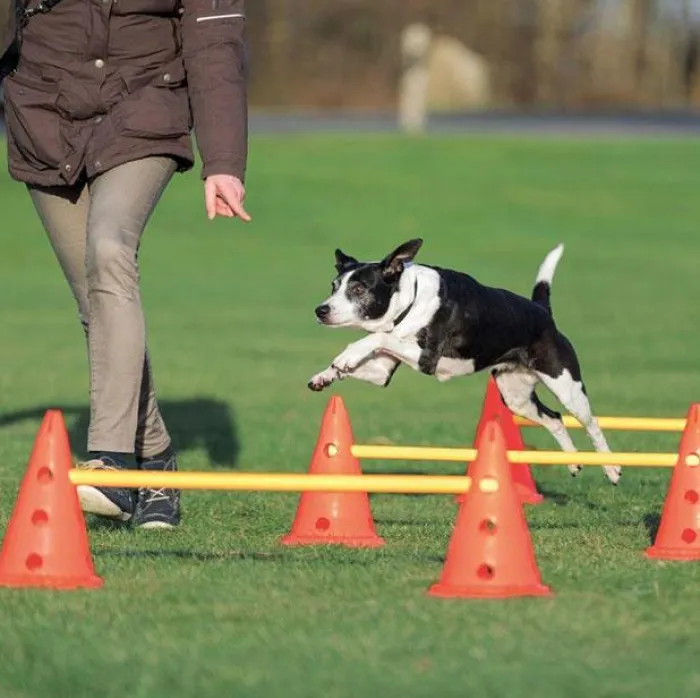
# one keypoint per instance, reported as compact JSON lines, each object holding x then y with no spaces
{"x":95,"y":231}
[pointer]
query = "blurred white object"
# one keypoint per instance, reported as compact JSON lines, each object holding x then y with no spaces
{"x":439,"y":73}
{"x":459,"y":77}
{"x":413,"y":91}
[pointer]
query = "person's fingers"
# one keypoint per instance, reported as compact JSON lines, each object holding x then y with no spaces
{"x":210,"y":199}
{"x":225,"y":198}
{"x":232,"y":196}
{"x":239,"y":211}
{"x":222,"y":208}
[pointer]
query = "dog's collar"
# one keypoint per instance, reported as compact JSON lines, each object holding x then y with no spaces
{"x":405,"y":312}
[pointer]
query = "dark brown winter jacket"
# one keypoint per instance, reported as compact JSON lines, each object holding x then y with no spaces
{"x":103,"y":82}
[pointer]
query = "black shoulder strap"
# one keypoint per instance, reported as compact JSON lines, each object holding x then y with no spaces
{"x":42,"y":7}
{"x":10,"y":59}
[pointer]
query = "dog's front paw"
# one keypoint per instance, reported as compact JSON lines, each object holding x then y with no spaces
{"x":322,"y":380}
{"x":574,"y":469}
{"x":613,"y":473}
{"x":348,"y":361}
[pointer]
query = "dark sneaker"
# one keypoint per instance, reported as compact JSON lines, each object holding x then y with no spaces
{"x":110,"y":503}
{"x":158,"y":508}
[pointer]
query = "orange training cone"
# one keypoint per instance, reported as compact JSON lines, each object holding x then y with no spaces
{"x":677,"y":537}
{"x":494,"y":408}
{"x":46,"y":543}
{"x":334,"y":517}
{"x":490,"y":554}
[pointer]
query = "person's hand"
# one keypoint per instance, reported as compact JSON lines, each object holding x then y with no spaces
{"x":224,"y":196}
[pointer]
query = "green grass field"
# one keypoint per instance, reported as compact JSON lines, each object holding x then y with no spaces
{"x":219,"y":608}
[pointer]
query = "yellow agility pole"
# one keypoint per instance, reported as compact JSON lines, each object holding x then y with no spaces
{"x":618,"y":423}
{"x":281,"y":482}
{"x":651,"y":460}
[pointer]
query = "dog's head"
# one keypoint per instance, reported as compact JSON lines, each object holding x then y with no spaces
{"x":362,"y":292}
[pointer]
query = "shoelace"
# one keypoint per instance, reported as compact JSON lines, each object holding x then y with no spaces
{"x":156,"y":495}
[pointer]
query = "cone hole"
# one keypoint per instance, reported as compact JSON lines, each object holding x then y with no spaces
{"x":322,"y":523}
{"x":692,"y":496}
{"x":44,"y":475}
{"x":488,"y":526}
{"x":40,"y":518}
{"x":488,"y":485}
{"x":34,"y":562}
{"x":330,"y":450}
{"x":485,"y":572}
{"x":688,"y":535}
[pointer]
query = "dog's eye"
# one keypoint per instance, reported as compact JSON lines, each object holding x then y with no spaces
{"x":356,"y":290}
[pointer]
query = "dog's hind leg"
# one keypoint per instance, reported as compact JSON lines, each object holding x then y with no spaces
{"x":564,"y":380}
{"x":517,"y":388}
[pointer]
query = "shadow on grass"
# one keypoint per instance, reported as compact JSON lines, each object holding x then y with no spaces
{"x":652,"y":522}
{"x":559,"y":498}
{"x":193,"y":555}
{"x":193,"y":423}
{"x":287,"y":556}
{"x":575,"y":525}
{"x":562,"y":499}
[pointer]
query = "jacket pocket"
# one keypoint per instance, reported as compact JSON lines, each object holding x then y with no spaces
{"x":33,"y":122}
{"x":159,"y":109}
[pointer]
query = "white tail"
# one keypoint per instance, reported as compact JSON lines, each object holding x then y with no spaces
{"x":549,"y":265}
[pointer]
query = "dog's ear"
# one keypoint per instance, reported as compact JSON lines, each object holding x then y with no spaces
{"x":394,"y":263}
{"x":343,"y":261}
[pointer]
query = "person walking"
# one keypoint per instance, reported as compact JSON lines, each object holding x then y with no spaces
{"x":101,"y":99}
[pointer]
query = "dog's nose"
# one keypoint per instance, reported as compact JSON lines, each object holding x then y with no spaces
{"x":323,"y":311}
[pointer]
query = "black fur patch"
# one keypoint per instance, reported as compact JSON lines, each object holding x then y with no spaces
{"x":370,"y":291}
{"x":493,"y":326}
{"x":484,"y":324}
{"x":541,"y":294}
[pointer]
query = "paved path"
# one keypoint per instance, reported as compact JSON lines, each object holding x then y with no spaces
{"x":552,"y":123}
{"x":609,"y":124}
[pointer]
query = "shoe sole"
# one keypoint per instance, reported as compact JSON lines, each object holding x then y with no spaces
{"x":155,"y":524}
{"x":92,"y":501}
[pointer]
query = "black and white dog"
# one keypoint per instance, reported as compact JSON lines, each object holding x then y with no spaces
{"x":445,"y":324}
